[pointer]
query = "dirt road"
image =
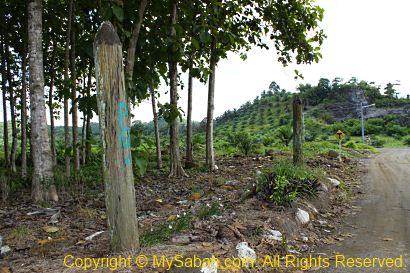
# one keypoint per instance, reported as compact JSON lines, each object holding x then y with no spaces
{"x":382,"y":226}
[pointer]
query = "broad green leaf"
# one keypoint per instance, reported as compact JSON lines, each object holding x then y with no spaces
{"x":118,"y":12}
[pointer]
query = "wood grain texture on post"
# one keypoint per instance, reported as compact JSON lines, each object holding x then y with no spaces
{"x":297,"y":131}
{"x":115,"y":133}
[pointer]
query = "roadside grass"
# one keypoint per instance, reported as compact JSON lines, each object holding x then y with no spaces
{"x":180,"y":223}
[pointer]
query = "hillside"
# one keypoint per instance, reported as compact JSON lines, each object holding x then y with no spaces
{"x":328,"y":108}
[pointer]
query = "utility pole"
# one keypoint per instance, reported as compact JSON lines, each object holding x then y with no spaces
{"x":361,"y":110}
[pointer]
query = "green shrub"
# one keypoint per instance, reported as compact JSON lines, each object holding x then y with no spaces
{"x":280,"y":196}
{"x":406,"y":140}
{"x":284,"y":182}
{"x":268,"y":140}
{"x":377,"y":142}
{"x":284,"y":134}
{"x":242,"y":140}
{"x":351,"y":144}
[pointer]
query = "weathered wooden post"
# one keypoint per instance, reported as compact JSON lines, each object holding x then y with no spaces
{"x":297,"y":131}
{"x":115,"y":134}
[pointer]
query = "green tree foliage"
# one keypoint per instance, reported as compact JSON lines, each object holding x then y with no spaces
{"x":284,"y":134}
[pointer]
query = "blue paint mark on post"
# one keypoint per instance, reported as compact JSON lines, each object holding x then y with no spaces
{"x":125,"y":132}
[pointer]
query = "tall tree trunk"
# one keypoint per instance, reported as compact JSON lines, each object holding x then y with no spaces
{"x":24,"y":116}
{"x":115,"y":136}
{"x":176,"y":169}
{"x":129,"y":69}
{"x":156,"y":128}
{"x":297,"y":131}
{"x":83,"y":140}
{"x":88,"y":123}
{"x":12,"y":114}
{"x":40,"y":145}
{"x":51,"y":109}
{"x":4,"y":93}
{"x":67,"y":144}
{"x":189,"y":159}
{"x":210,"y":153}
{"x":74,"y":108}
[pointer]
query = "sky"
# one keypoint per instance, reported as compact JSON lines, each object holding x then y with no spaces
{"x":367,"y":39}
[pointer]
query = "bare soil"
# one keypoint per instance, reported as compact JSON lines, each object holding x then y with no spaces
{"x":381,"y":226}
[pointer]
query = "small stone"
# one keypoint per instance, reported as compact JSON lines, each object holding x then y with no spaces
{"x":334,"y":182}
{"x":1,"y":241}
{"x":333,"y":154}
{"x":4,"y":251}
{"x":302,"y":216}
{"x":305,"y":239}
{"x":181,"y":240}
{"x":211,"y":267}
{"x":323,"y":187}
{"x":274,"y":235}
{"x":231,"y":183}
{"x":245,"y":252}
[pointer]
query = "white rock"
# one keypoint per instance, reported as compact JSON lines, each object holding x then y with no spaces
{"x":245,"y":252}
{"x":334,"y":182}
{"x":216,"y":168}
{"x":274,"y":235}
{"x":89,"y":238}
{"x":211,"y":267}
{"x":4,"y":250}
{"x":305,"y":239}
{"x":302,"y":216}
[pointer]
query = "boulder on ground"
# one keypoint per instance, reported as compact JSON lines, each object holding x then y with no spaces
{"x":302,"y":216}
{"x":245,"y":252}
{"x":333,"y":154}
{"x":273,"y":235}
{"x":4,"y":251}
{"x":334,"y":182}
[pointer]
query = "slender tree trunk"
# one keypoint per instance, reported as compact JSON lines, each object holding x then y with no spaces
{"x":74,"y":108}
{"x":88,"y":123}
{"x":24,"y":117}
{"x":210,"y":153}
{"x":129,"y":69}
{"x":4,"y":93}
{"x":42,"y":181}
{"x":67,"y":144}
{"x":176,"y":169}
{"x":12,"y":114}
{"x":297,"y":131}
{"x":189,"y":159}
{"x":51,"y":110}
{"x":115,"y":136}
{"x":156,"y":128}
{"x":83,"y":140}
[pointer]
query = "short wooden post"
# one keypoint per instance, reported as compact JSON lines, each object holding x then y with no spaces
{"x":115,"y":134}
{"x":297,"y":131}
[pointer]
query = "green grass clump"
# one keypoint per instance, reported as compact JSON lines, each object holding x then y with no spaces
{"x":406,"y":140}
{"x":166,"y":230}
{"x":20,"y":233}
{"x":284,"y":182}
{"x":207,"y":211}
